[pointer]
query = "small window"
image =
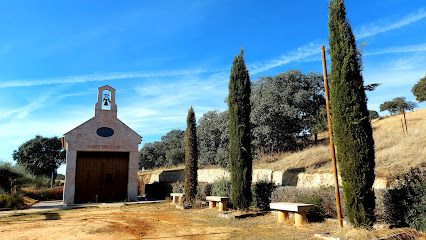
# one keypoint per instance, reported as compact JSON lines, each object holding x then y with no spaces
{"x":108,"y":179}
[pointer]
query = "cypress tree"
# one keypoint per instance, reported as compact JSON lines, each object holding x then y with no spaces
{"x":353,"y":134}
{"x":191,"y":157}
{"x":239,"y":133}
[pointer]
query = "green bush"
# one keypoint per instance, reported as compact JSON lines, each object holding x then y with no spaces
{"x":322,"y":198}
{"x":222,"y":188}
{"x":60,"y":176}
{"x":41,"y":182}
{"x":316,"y":199}
{"x":11,"y":201}
{"x":44,"y":194}
{"x":203,"y":190}
{"x":261,"y":192}
{"x":158,"y":190}
{"x":13,"y":175}
{"x":405,"y":202}
{"x":178,"y":187}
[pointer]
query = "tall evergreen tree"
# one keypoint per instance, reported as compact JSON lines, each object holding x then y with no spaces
{"x":353,"y":134}
{"x":239,"y":133}
{"x":191,"y":157}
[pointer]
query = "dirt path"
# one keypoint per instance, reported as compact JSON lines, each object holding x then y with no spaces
{"x":152,"y":221}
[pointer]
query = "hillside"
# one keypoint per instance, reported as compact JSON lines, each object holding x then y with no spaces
{"x":395,"y":151}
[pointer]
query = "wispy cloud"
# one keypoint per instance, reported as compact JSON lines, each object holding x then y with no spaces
{"x":303,"y":53}
{"x":300,"y":54}
{"x":401,"y":49}
{"x":24,"y":111}
{"x":306,"y":52}
{"x":384,"y":26}
{"x":165,"y":104}
{"x":101,"y":77}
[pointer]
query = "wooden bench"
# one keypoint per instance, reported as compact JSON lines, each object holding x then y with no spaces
{"x":299,"y":210}
{"x":177,"y":198}
{"x":221,"y":200}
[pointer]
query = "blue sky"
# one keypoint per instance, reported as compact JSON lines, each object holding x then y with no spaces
{"x":164,"y":56}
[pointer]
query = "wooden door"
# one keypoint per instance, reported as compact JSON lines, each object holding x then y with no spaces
{"x":101,"y":176}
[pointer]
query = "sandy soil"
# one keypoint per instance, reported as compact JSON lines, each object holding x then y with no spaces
{"x":152,"y":221}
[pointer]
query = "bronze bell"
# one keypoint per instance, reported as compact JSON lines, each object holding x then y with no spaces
{"x":106,"y":100}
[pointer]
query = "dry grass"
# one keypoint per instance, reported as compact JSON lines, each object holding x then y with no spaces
{"x":159,"y":170}
{"x":396,"y":152}
{"x":29,"y":201}
{"x":348,"y":232}
{"x":310,"y":158}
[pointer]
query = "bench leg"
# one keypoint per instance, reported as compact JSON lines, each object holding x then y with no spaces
{"x":222,"y":206}
{"x":174,"y":200}
{"x":300,"y":218}
{"x":282,"y":216}
{"x":181,"y":200}
{"x":212,"y":204}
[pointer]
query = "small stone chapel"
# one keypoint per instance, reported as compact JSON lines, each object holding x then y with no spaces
{"x":102,"y":156}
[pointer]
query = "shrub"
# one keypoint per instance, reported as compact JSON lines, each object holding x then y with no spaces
{"x":316,"y":199}
{"x":13,"y":175}
{"x":60,"y":176}
{"x":158,"y":190}
{"x":323,"y":199}
{"x":11,"y":201}
{"x":44,"y":194}
{"x":222,"y":188}
{"x":178,"y":187}
{"x":261,"y":192}
{"x":389,"y":208}
{"x":415,"y":183}
{"x":329,"y":202}
{"x":203,"y":190}
{"x":405,"y":203}
{"x":285,"y":194}
{"x":402,"y":205}
{"x":41,"y":182}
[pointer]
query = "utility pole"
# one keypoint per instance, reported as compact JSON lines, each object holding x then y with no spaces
{"x":330,"y":133}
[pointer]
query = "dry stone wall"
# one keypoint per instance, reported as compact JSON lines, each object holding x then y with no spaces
{"x":212,"y":175}
{"x":281,"y":178}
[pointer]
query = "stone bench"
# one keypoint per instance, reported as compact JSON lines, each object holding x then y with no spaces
{"x":299,"y":210}
{"x":177,"y":198}
{"x":221,"y":200}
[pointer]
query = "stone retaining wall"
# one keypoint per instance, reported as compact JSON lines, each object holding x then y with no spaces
{"x":281,"y":178}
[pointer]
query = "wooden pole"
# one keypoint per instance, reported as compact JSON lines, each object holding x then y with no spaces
{"x":330,"y":133}
{"x":405,"y":120}
{"x":402,"y":125}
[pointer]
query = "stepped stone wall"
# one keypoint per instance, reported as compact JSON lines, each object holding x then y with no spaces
{"x":281,"y":178}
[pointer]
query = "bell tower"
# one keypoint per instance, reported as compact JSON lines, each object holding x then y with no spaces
{"x":102,"y":156}
{"x":106,"y":101}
